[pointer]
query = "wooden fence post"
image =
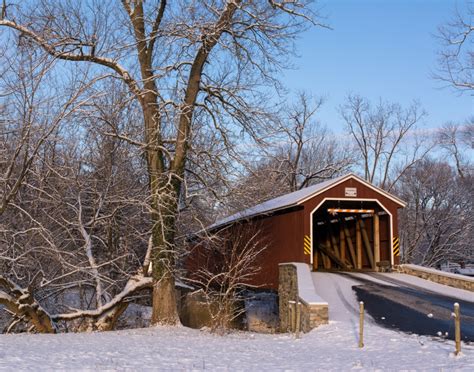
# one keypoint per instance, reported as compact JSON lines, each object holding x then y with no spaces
{"x":298,"y":318}
{"x":291,"y":318}
{"x":361,"y":324}
{"x":457,"y":328}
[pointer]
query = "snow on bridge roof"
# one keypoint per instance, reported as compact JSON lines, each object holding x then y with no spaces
{"x":296,"y":198}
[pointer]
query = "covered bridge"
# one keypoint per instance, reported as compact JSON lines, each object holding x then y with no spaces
{"x":344,"y":223}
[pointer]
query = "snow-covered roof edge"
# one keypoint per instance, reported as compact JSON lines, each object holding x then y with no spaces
{"x":297,"y":198}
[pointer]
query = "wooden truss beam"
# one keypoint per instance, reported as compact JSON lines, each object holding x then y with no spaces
{"x":349,"y":243}
{"x":376,"y":238}
{"x":358,"y":245}
{"x":330,"y":254}
{"x":365,"y":239}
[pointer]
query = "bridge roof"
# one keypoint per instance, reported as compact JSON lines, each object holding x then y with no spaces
{"x":296,"y":198}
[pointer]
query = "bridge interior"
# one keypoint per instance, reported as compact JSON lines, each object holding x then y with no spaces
{"x":351,"y":235}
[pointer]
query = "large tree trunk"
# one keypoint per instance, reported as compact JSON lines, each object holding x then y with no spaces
{"x":164,"y":255}
{"x":164,"y":301}
{"x":166,"y":190}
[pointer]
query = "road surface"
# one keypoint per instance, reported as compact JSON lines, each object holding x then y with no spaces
{"x":399,"y":301}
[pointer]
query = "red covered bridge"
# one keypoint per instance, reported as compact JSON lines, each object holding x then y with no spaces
{"x":344,"y":223}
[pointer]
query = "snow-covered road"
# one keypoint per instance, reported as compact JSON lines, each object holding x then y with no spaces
{"x":397,"y":300}
{"x":337,"y":289}
{"x":398,"y":279}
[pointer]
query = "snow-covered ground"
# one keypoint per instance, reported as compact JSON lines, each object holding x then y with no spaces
{"x":332,"y":347}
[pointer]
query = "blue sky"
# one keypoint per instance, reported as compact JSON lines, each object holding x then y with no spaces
{"x":378,"y":49}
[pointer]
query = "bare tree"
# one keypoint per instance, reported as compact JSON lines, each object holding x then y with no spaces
{"x":229,"y":262}
{"x":384,"y":137}
{"x":23,"y":130}
{"x":458,"y":141}
{"x":309,"y":153}
{"x":66,"y":230}
{"x":456,"y":59}
{"x":177,"y":61}
{"x":297,"y":152}
{"x":32,"y":117}
{"x":21,"y":303}
{"x":437,"y":223}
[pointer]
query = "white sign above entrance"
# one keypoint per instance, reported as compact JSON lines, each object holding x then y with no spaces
{"x":351,"y":192}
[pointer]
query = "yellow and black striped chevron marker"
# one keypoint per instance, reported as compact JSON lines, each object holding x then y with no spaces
{"x":396,"y":246}
{"x":307,"y":244}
